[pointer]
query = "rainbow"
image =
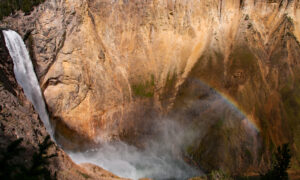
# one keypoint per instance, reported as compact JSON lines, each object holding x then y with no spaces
{"x":232,"y":103}
{"x":235,"y":105}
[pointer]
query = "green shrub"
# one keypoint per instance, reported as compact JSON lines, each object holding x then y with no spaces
{"x":145,"y":89}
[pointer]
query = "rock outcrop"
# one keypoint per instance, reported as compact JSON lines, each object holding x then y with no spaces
{"x":108,"y":68}
{"x":26,"y":151}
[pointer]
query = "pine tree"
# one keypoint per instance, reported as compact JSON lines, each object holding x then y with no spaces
{"x":279,"y":165}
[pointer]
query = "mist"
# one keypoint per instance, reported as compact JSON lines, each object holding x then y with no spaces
{"x":164,"y":154}
{"x":160,"y":158}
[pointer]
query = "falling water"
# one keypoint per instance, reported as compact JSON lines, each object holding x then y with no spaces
{"x":25,"y":75}
{"x":157,"y":160}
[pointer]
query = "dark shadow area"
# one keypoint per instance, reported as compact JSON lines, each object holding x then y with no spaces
{"x":9,"y":7}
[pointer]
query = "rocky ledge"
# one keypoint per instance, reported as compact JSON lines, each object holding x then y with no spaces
{"x":26,"y":150}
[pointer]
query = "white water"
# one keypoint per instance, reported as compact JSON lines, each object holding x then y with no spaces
{"x":25,"y":75}
{"x":160,"y":159}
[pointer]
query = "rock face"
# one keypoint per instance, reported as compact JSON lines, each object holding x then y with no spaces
{"x":108,"y":68}
{"x":19,"y":123}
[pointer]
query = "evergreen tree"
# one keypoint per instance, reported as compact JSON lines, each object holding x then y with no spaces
{"x":280,"y":164}
{"x":14,"y":170}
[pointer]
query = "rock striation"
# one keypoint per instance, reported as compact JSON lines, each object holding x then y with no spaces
{"x":108,"y":68}
{"x":25,"y":148}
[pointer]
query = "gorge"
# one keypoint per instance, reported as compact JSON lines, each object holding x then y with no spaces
{"x":159,"y":88}
{"x":158,"y":161}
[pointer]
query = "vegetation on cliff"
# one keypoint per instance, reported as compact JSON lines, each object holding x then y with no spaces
{"x":8,"y":7}
{"x":247,"y":58}
{"x":280,"y":164}
{"x":144,"y":89}
{"x":10,"y":168}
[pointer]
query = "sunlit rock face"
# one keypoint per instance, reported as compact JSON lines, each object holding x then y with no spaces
{"x":108,"y":68}
{"x":19,"y":122}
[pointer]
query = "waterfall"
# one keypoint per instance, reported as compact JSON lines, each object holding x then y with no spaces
{"x":26,"y":76}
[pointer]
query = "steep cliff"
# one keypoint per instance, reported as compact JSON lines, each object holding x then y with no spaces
{"x":109,"y":68}
{"x":26,"y":152}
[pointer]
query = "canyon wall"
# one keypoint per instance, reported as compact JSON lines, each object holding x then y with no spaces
{"x":109,"y":68}
{"x":26,"y":150}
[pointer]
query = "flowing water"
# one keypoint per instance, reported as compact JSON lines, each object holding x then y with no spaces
{"x":161,"y":157}
{"x":157,"y":160}
{"x":25,"y":75}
